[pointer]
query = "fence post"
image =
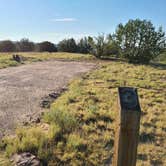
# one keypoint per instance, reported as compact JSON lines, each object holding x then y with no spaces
{"x":126,"y":139}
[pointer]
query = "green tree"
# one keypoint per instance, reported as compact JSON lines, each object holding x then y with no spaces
{"x":111,"y":48}
{"x":46,"y":46}
{"x":84,"y":45}
{"x":7,"y":46}
{"x":25,"y":45}
{"x":99,"y":45}
{"x":139,"y":41}
{"x":67,"y":45}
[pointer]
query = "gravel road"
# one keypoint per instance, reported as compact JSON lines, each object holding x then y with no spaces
{"x":22,"y":88}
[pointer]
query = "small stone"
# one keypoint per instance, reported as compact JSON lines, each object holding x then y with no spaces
{"x":25,"y":159}
{"x":54,"y":95}
{"x":18,"y":58}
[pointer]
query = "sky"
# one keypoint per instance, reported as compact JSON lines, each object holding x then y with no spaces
{"x":54,"y":20}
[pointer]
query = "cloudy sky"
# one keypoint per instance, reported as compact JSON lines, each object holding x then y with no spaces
{"x":54,"y":20}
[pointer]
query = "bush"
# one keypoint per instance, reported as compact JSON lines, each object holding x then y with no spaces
{"x":34,"y":140}
{"x":68,"y":45}
{"x":139,"y":41}
{"x":65,"y":120}
{"x":46,"y":47}
{"x":112,"y":49}
{"x":26,"y":140}
{"x":7,"y":46}
{"x":25,"y":45}
{"x":104,"y":46}
{"x":85,"y":45}
{"x":99,"y":46}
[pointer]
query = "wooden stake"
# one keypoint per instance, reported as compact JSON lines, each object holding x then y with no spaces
{"x":127,"y":133}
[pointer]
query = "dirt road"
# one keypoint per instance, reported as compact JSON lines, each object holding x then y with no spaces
{"x":22,"y":88}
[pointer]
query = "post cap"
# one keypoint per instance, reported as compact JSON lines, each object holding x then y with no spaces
{"x":129,"y":98}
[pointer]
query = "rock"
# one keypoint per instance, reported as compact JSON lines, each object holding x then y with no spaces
{"x":35,"y":120}
{"x":54,"y":95}
{"x":25,"y":159}
{"x":18,"y":58}
{"x":64,"y":89}
{"x":25,"y":123}
{"x":48,"y":100}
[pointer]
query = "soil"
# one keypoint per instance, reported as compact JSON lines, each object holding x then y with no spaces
{"x":23,"y":88}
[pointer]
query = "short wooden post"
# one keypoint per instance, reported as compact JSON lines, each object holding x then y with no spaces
{"x":127,"y":132}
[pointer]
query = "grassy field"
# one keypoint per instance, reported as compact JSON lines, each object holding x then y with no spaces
{"x":6,"y":58}
{"x":80,"y":126}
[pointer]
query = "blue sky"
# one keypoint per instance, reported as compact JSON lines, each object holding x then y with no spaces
{"x":54,"y":20}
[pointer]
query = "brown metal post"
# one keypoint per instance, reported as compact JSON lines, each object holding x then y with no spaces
{"x":127,"y":132}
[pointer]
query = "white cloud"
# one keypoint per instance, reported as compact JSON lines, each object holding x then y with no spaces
{"x":63,"y":19}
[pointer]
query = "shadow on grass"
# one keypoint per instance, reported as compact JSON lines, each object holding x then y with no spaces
{"x":144,"y":137}
{"x":143,"y":157}
{"x":112,"y":59}
{"x":157,"y":65}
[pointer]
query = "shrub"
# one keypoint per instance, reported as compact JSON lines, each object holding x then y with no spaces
{"x":65,"y":120}
{"x":85,"y":45}
{"x":27,"y":139}
{"x":139,"y":41}
{"x":68,"y":45}
{"x":25,"y":45}
{"x":46,"y":47}
{"x":7,"y":46}
{"x":99,"y":46}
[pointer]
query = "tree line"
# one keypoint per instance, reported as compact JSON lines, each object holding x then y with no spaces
{"x":25,"y":45}
{"x":66,"y":45}
{"x":138,"y":41}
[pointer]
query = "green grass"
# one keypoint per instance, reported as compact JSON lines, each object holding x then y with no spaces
{"x":6,"y":58}
{"x":79,"y":129}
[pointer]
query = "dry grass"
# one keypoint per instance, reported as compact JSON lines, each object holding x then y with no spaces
{"x":6,"y":58}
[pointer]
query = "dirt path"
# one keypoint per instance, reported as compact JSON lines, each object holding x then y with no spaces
{"x":22,"y":88}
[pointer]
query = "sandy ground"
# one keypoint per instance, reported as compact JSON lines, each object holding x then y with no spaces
{"x":22,"y":88}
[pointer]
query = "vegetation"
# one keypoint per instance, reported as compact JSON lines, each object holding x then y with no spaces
{"x":25,"y":45}
{"x":161,"y":58}
{"x":139,"y":41}
{"x":80,"y":126}
{"x":67,"y":45}
{"x":7,"y":46}
{"x":79,"y":129}
{"x":4,"y":160}
{"x":99,"y":46}
{"x":85,"y":45}
{"x":7,"y":60}
{"x":46,"y":47}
